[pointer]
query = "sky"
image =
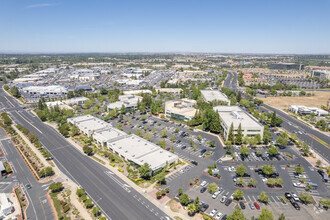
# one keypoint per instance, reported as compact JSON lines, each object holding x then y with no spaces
{"x":217,"y":26}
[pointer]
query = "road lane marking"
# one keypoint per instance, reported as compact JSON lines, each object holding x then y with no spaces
{"x":30,"y":123}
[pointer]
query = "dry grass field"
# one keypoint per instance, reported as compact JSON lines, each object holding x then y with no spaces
{"x":320,"y":98}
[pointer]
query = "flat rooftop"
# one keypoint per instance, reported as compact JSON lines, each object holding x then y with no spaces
{"x":107,"y":134}
{"x":235,"y":115}
{"x":211,"y":95}
{"x":141,"y":151}
{"x":89,"y":122}
{"x":182,"y":107}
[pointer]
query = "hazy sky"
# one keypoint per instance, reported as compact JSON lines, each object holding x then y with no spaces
{"x":227,"y":26}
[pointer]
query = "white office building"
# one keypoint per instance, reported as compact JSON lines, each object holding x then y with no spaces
{"x":129,"y":102}
{"x":321,"y":74}
{"x":88,"y":124}
{"x":76,"y":101}
{"x":300,"y":109}
{"x":45,"y":91}
{"x":140,"y":151}
{"x":5,"y":205}
{"x":235,"y":115}
{"x":214,"y":95}
{"x":180,"y":110}
{"x":103,"y":136}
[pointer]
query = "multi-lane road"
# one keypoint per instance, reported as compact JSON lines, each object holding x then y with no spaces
{"x":116,"y":199}
{"x":39,"y":207}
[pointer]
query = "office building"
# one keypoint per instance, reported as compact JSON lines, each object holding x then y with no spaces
{"x":53,"y":91}
{"x":214,"y":95}
{"x":180,"y":110}
{"x":88,"y":124}
{"x":287,"y":66}
{"x":321,"y":74}
{"x":235,"y":115}
{"x":129,"y":101}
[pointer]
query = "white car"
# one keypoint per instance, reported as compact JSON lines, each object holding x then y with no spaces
{"x":215,"y":195}
{"x":299,"y":185}
{"x":182,"y":171}
{"x":203,"y":183}
{"x":223,"y":199}
{"x":213,"y":212}
{"x":231,"y":169}
{"x":218,"y":216}
{"x":264,"y":180}
{"x":302,"y":176}
{"x":295,"y":197}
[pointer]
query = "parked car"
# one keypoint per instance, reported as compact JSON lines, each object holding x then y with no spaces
{"x":204,"y":206}
{"x":213,"y":212}
{"x":203,"y":189}
{"x":194,"y":162}
{"x":295,"y":205}
{"x":224,"y":217}
{"x":251,"y":206}
{"x":256,"y":205}
{"x":204,"y":183}
{"x":242,"y":205}
{"x":228,"y":201}
{"x":218,"y":216}
{"x":183,"y":147}
{"x":215,"y":195}
{"x":223,"y":199}
{"x":288,"y":195}
{"x":295,"y":197}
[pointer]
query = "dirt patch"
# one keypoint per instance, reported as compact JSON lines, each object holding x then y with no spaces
{"x":174,"y":205}
{"x":319,"y":98}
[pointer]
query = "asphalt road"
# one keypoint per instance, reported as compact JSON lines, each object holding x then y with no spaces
{"x":39,"y":207}
{"x":231,"y":81}
{"x":116,"y":199}
{"x":291,"y":124}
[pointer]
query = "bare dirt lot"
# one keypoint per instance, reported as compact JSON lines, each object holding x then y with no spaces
{"x":319,"y":98}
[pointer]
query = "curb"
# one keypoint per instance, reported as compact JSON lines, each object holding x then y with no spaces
{"x":24,"y":209}
{"x":51,"y":204}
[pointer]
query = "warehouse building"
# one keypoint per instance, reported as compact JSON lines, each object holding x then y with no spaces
{"x":103,"y":136}
{"x":88,"y":124}
{"x":214,"y":95}
{"x":180,"y":110}
{"x":53,"y":91}
{"x":140,"y":151}
{"x":76,"y":101}
{"x":129,"y":101}
{"x":300,"y":109}
{"x":235,"y":115}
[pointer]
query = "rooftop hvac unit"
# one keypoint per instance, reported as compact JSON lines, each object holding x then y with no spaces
{"x":235,"y":114}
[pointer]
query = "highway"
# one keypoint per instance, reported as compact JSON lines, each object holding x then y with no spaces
{"x":116,"y":199}
{"x":291,"y":124}
{"x":231,"y":81}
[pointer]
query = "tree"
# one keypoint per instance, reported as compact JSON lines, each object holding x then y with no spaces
{"x":64,"y":129}
{"x":318,"y":163}
{"x":120,"y":126}
{"x":229,"y":149}
{"x":88,"y":203}
{"x":236,"y":215}
{"x":80,"y":192}
{"x":233,"y":101}
{"x":240,"y":170}
{"x":70,"y":94}
{"x":278,"y":181}
{"x":239,"y":96}
{"x":74,"y":130}
{"x":263,"y":197}
{"x":96,"y":211}
{"x":162,"y":143}
{"x":212,"y":187}
{"x":197,"y":205}
{"x":15,"y":92}
{"x":180,"y":191}
{"x":87,"y":150}
{"x":325,"y":202}
{"x":244,"y":151}
{"x":199,"y":138}
{"x":273,"y":151}
{"x":271,"y":182}
{"x":299,"y":169}
{"x":238,"y":194}
{"x":184,"y":199}
{"x":306,"y":198}
{"x":139,"y":133}
{"x":122,"y":109}
{"x":145,"y":171}
{"x":163,"y":133}
{"x":240,"y":181}
{"x":266,"y":215}
{"x":231,"y":133}
{"x":252,"y":182}
{"x":258,"y":152}
{"x":177,"y":130}
{"x":173,"y":138}
{"x":56,"y":187}
{"x":305,"y":149}
{"x":282,"y":141}
{"x":191,"y":209}
{"x":267,"y":170}
{"x":239,"y":135}
{"x":282,"y":217}
{"x":215,"y":125}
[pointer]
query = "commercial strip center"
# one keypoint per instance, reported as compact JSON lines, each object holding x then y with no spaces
{"x":130,"y":147}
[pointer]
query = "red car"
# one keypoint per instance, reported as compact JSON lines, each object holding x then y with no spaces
{"x":256,"y":205}
{"x":168,"y":149}
{"x":125,"y":124}
{"x":132,"y":126}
